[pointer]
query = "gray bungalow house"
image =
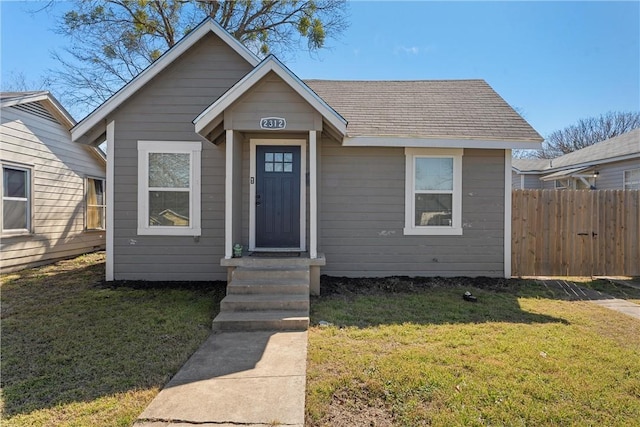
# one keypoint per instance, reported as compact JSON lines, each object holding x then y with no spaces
{"x":211,"y":147}
{"x":613,"y":164}
{"x":53,"y":190}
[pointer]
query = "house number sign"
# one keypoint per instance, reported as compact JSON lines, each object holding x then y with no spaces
{"x":273,"y":123}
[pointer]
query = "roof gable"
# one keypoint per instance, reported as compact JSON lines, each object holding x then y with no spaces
{"x":44,"y":105}
{"x":41,"y":98}
{"x":270,"y":64}
{"x":205,"y":27}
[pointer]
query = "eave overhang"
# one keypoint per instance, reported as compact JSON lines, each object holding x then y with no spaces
{"x":400,"y":141}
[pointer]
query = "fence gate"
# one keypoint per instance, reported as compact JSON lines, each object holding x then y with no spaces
{"x":575,"y":233}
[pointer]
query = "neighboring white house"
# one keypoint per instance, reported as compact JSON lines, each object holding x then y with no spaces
{"x":613,"y":164}
{"x":53,"y":190}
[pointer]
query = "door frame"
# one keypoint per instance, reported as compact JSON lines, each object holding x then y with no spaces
{"x":252,"y":192}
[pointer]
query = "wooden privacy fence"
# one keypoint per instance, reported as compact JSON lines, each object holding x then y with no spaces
{"x":575,"y":233}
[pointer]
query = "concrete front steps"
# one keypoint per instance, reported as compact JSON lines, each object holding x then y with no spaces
{"x":266,"y":296}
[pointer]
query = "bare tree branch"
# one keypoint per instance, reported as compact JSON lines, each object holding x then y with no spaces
{"x":113,"y":40}
{"x":587,"y":132}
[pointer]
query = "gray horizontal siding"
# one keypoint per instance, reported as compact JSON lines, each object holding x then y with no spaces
{"x":519,"y":181}
{"x":163,"y":110}
{"x":362,"y":217}
{"x":59,"y":168}
{"x":611,"y":174}
{"x":272,"y":97}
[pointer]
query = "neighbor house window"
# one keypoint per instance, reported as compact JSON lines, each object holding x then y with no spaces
{"x":16,"y":199}
{"x":95,"y":203}
{"x":433,"y":196}
{"x":632,"y":179}
{"x":559,"y":184}
{"x":169,"y":188}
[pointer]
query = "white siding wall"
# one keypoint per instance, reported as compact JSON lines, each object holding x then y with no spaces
{"x":59,"y":168}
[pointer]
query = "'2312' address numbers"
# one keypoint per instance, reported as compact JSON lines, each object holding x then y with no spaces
{"x":273,"y":123}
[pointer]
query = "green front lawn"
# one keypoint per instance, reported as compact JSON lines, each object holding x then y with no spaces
{"x":78,"y":352}
{"x":409,"y":352}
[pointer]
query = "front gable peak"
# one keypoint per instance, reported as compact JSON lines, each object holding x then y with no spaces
{"x":212,"y":116}
{"x":96,"y":119}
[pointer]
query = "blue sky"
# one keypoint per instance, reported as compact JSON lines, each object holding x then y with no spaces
{"x":556,"y":62}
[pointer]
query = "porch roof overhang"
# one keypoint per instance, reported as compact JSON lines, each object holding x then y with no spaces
{"x":567,"y":173}
{"x":212,"y":117}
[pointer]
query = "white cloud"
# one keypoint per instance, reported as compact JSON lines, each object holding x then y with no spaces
{"x":412,"y":50}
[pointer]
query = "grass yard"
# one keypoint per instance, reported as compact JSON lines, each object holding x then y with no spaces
{"x":405,"y":352}
{"x":77,"y":351}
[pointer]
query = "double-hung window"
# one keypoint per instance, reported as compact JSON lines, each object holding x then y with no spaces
{"x":95,"y":204}
{"x":631,"y":179}
{"x":433,"y":191}
{"x":169,"y":188}
{"x":16,"y":199}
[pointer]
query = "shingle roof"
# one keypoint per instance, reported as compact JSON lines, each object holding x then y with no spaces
{"x":627,"y":144}
{"x":621,"y":145}
{"x":448,"y":109}
{"x":530,"y":165}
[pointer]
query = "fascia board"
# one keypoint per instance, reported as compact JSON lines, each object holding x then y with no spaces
{"x":393,"y":141}
{"x":524,"y":172}
{"x":60,"y":112}
{"x":208,"y":25}
{"x":597,"y":162}
{"x":23,"y":99}
{"x":593,"y":163}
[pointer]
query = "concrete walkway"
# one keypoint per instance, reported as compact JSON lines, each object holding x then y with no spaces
{"x":575,"y":291}
{"x":236,"y":378}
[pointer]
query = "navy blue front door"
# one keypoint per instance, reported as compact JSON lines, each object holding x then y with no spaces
{"x":277,"y":196}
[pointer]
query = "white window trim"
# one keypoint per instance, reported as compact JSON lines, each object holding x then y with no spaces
{"x":17,"y":231}
{"x":456,"y":219}
{"x":625,"y":184}
{"x":86,"y":202}
{"x":194,"y":149}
